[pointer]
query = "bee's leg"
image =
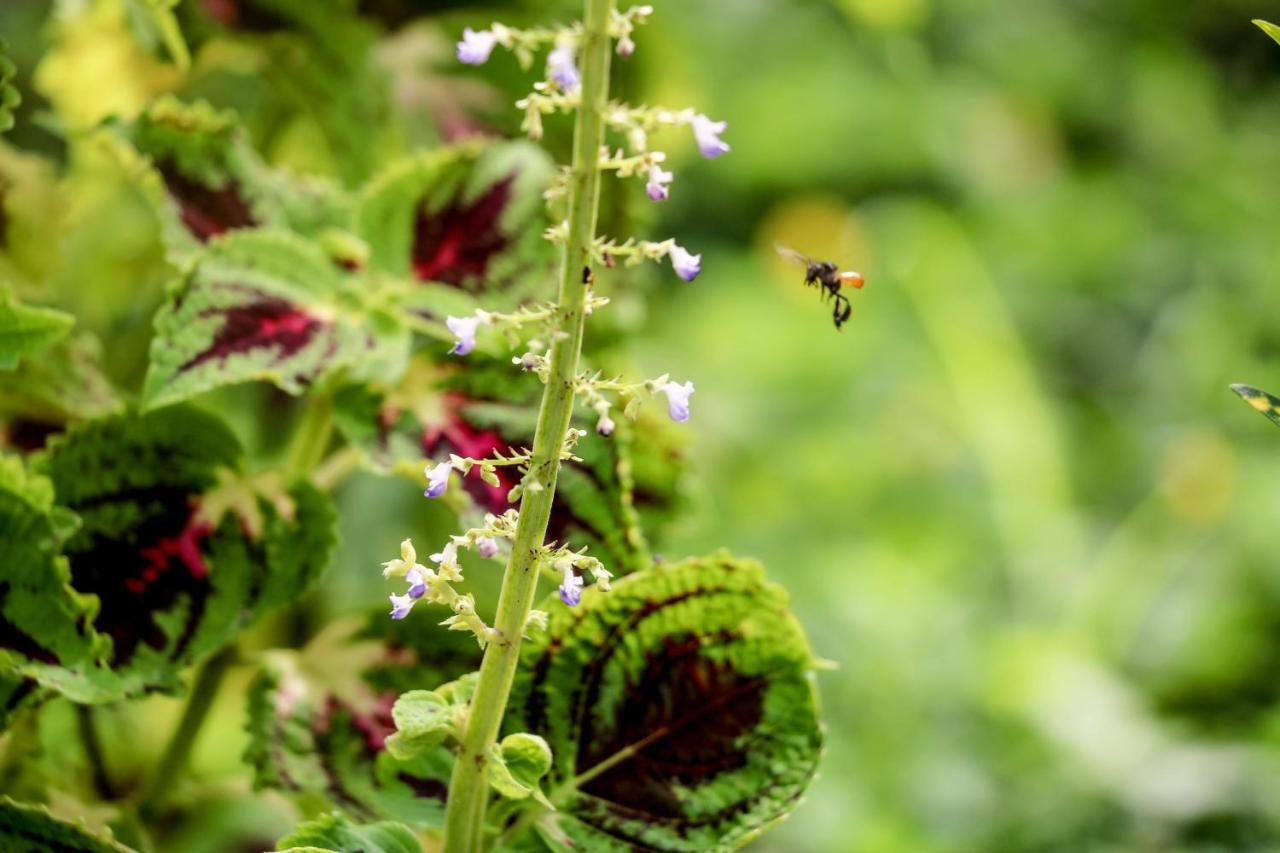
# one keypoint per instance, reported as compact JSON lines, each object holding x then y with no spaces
{"x":841,"y":310}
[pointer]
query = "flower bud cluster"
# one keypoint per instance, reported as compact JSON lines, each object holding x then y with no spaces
{"x":510,"y":325}
{"x":569,"y":567}
{"x":435,"y":586}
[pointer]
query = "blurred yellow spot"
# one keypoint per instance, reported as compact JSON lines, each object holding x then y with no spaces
{"x":1262,"y":404}
{"x":95,"y":68}
{"x":888,"y":14}
{"x":1198,"y":477}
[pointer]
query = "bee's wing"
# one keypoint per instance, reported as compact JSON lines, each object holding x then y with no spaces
{"x":791,"y":254}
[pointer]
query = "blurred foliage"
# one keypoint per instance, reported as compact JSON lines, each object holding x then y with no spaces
{"x":1014,"y":500}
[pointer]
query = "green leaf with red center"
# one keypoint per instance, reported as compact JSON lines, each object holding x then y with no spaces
{"x":46,"y":626}
{"x":467,"y":217}
{"x":319,"y":719}
{"x":45,"y":394}
{"x":171,"y":583}
{"x":268,"y":306}
{"x":679,"y":707}
{"x":205,"y":178}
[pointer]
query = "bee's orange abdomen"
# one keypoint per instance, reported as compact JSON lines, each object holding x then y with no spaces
{"x":852,"y":279}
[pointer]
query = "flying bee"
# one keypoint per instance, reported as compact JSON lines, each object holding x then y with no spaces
{"x":829,"y":279}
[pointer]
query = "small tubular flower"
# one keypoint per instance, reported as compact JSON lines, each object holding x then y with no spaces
{"x":437,"y":479}
{"x":678,"y":399}
{"x":686,"y":264}
{"x":571,"y":587}
{"x":475,"y":47}
{"x":464,"y":328}
{"x":487,"y":546}
{"x":707,"y":133}
{"x":417,"y":584}
{"x":657,"y":184}
{"x":400,"y":606}
{"x":562,"y":69}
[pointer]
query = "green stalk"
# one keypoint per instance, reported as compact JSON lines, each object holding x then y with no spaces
{"x":469,"y":785}
{"x":178,"y":751}
{"x":312,"y":435}
{"x":86,"y":722}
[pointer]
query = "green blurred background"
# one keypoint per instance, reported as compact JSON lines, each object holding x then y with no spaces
{"x":1014,"y":500}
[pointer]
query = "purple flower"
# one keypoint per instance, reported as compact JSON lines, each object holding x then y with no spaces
{"x":417,"y":584}
{"x":465,"y":330}
{"x":626,"y":47}
{"x":657,"y":185}
{"x":686,"y":265}
{"x":571,"y":589}
{"x":486,"y":546}
{"x":707,"y":132}
{"x":605,"y":425}
{"x":678,"y":400}
{"x":561,"y":68}
{"x":400,"y":606}
{"x":474,"y":49}
{"x":437,"y":479}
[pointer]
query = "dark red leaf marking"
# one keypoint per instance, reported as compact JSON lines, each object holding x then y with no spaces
{"x":680,"y":686}
{"x":205,"y":211}
{"x":239,"y":15}
{"x":267,"y":321}
{"x":139,"y":576}
{"x":455,"y":244}
{"x":160,"y":557}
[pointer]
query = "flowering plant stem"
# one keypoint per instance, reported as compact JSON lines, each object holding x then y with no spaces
{"x":469,"y":785}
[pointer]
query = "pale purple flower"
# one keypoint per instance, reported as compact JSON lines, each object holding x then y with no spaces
{"x":571,"y":589}
{"x":417,"y":584}
{"x":686,"y":265}
{"x":658,"y":180}
{"x":475,"y":47}
{"x":437,"y":479}
{"x":562,"y":69}
{"x":486,"y":546}
{"x":707,"y":133}
{"x":465,"y":330}
{"x":605,"y":425}
{"x":400,"y":606}
{"x":626,"y":47}
{"x":678,"y":400}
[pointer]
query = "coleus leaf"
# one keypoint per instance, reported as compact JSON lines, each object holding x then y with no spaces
{"x":1261,"y":401}
{"x":172,"y":583}
{"x":1269,"y":28}
{"x":44,"y":394}
{"x":468,"y":217}
{"x":679,"y":707}
{"x":333,"y":833}
{"x":205,"y":178}
{"x":26,"y":330}
{"x":267,"y":306}
{"x":423,"y":720}
{"x":517,"y":764}
{"x":25,"y":827}
{"x":319,"y":720}
{"x":9,"y":95}
{"x":46,"y":626}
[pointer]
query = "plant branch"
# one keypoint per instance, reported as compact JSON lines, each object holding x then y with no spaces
{"x":178,"y":750}
{"x":469,"y":785}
